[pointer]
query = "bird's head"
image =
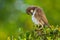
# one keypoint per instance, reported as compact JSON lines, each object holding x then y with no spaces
{"x":30,"y":10}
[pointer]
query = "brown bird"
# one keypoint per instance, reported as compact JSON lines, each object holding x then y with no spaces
{"x":38,"y":16}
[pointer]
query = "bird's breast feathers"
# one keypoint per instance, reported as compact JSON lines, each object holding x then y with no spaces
{"x":35,"y":21}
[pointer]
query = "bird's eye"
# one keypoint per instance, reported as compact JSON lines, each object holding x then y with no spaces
{"x":31,"y":11}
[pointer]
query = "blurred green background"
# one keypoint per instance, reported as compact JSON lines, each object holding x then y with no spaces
{"x":13,"y":15}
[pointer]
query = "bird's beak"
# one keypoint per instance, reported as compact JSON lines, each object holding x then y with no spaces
{"x":31,"y":13}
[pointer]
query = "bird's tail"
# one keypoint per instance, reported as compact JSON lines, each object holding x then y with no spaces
{"x":49,"y":26}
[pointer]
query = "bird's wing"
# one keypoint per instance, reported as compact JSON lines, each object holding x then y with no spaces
{"x":42,"y":16}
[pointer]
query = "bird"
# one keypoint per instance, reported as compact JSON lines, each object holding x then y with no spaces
{"x":38,"y":16}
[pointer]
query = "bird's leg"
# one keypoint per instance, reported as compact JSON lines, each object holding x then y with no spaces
{"x":39,"y":30}
{"x":40,"y":26}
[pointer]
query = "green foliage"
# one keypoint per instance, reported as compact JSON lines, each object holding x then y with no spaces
{"x":16,"y":24}
{"x":46,"y":33}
